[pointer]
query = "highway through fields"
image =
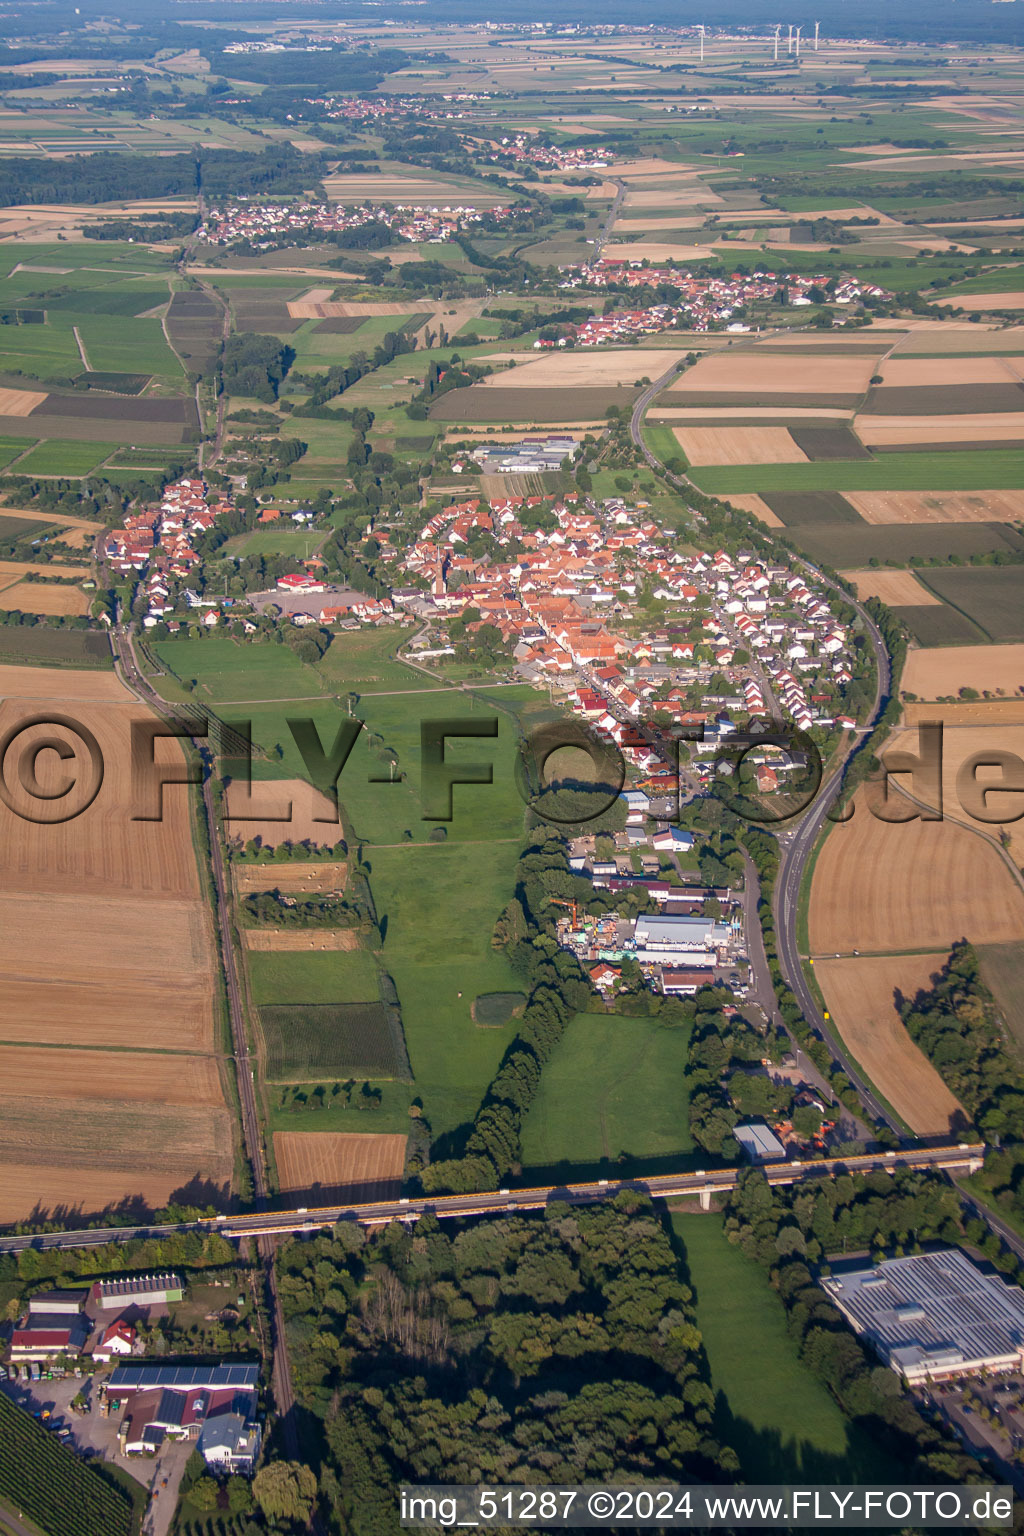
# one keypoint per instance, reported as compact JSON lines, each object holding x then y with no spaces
{"x":797,"y":845}
{"x":701,"y":1184}
{"x":252,"y":1135}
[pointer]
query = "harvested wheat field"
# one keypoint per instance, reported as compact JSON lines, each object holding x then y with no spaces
{"x":282,"y":940}
{"x":105,"y":941}
{"x":914,"y":372}
{"x":738,"y":445}
{"x":938,"y":506}
{"x":746,"y":413}
{"x":977,"y":301}
{"x":665,"y":250}
{"x":150,"y":1077}
{"x":749,"y":502}
{"x":763,"y":373}
{"x":690,"y":195}
{"x":879,"y":887}
{"x":52,"y":686}
{"x":298,"y":878}
{"x":350,"y":1165}
{"x":19,"y":402}
{"x":563,"y":370}
{"x":52,"y":519}
{"x":14,"y":570}
{"x":967,"y":712}
{"x":281,"y":811}
{"x":303,"y":309}
{"x":94,"y":1153}
{"x":960,"y":743}
{"x":45,"y":598}
{"x":861,"y":996}
{"x":954,"y":336}
{"x":900,"y":589}
{"x":931,"y":674}
{"x":900,"y":431}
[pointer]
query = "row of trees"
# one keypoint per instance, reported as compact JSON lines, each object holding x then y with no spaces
{"x":958,"y":1026}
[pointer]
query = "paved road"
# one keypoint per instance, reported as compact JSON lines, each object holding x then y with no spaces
{"x":798,"y":844}
{"x":244,"y":1074}
{"x":960,"y":1158}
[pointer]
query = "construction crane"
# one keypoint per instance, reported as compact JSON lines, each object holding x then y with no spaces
{"x":557,"y":902}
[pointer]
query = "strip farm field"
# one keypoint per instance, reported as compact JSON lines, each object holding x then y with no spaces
{"x":111,"y":1082}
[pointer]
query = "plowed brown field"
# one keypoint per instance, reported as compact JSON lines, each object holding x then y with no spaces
{"x":351,"y":1165}
{"x":861,"y":995}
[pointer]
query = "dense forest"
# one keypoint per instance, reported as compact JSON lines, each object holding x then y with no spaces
{"x":549,"y":1349}
{"x":108,"y":178}
{"x":254,"y":365}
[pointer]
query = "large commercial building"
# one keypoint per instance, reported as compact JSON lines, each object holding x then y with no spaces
{"x":688,"y":941}
{"x":934,"y":1315}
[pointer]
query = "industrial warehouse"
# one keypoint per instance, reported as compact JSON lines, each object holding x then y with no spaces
{"x":932,"y":1316}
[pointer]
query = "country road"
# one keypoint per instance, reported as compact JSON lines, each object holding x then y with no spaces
{"x":797,"y":845}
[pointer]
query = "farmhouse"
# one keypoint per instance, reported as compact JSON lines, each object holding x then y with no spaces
{"x":179,"y":1402}
{"x":931,"y":1316}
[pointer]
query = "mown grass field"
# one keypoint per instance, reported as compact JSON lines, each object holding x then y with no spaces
{"x":328,"y":976}
{"x":227,"y":669}
{"x":614,"y":1087}
{"x":437,"y":905}
{"x":997,"y":470}
{"x":782,"y":1421}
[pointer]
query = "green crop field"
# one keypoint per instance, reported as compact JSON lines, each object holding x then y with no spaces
{"x":784,"y":1423}
{"x":10,"y":448}
{"x":996,"y":470}
{"x":56,"y":457}
{"x":988,"y":595}
{"x":615,"y":1087}
{"x":128,"y":346}
{"x":314,"y":1043}
{"x":934,"y":624}
{"x":323,"y":976}
{"x":49,"y":1485}
{"x":844,"y":545}
{"x":38,"y":646}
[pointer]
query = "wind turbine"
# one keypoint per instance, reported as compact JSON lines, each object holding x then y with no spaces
{"x":778,"y":29}
{"x":817,"y":24}
{"x":798,"y":31}
{"x":790,"y":46}
{"x":701,"y":30}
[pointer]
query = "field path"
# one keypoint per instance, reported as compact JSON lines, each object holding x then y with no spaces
{"x":81,"y":349}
